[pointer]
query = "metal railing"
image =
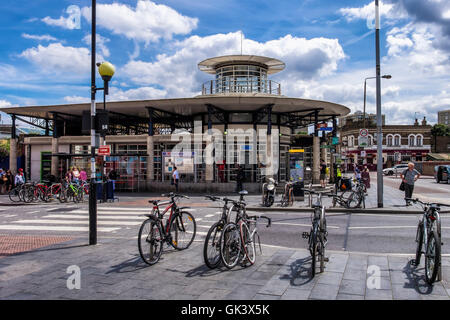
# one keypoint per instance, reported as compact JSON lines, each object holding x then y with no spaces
{"x":241,"y":86}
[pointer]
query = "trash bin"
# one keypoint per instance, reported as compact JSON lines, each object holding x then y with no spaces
{"x":297,"y":189}
{"x":109,"y":191}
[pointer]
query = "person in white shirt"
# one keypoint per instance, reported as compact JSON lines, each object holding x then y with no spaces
{"x":176,"y":178}
{"x":19,"y":179}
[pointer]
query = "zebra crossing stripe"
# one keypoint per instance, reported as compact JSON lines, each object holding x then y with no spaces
{"x":52,"y":228}
{"x":124,"y":223}
{"x":69,"y":216}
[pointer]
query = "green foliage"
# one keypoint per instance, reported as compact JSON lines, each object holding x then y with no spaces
{"x":440,"y":130}
{"x":4,"y":148}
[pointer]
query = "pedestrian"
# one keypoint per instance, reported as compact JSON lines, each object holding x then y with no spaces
{"x":112,"y":176}
{"x":19,"y":178}
{"x":338,"y":177}
{"x":69,"y":176}
{"x":365,"y":176}
{"x":75,"y":175}
{"x":2,"y":181}
{"x":176,"y":178}
{"x":83,"y":176}
{"x":9,"y":181}
{"x":239,"y":178}
{"x":357,"y":173}
{"x":323,"y":173}
{"x":409,"y":176}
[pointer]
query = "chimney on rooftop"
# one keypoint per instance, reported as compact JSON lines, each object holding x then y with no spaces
{"x":424,"y":121}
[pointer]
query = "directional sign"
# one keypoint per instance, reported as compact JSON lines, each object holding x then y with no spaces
{"x":104,"y":150}
{"x":326,"y":129}
{"x":325,"y":146}
{"x":335,"y":140}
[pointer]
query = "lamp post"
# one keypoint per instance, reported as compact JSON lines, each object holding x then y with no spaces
{"x":106,"y":70}
{"x":379,"y":124}
{"x":386,"y":76}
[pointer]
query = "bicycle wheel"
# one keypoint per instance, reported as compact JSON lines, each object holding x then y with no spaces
{"x":248,"y":243}
{"x":230,"y":245}
{"x":354,"y":201}
{"x":314,"y":250}
{"x":14,"y":195}
{"x":211,"y":248}
{"x":182,"y":230}
{"x":63,"y":195}
{"x":419,"y":240}
{"x":432,"y":257}
{"x":150,"y":241}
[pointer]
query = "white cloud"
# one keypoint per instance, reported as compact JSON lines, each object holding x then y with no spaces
{"x":44,"y":37}
{"x":178,"y":73}
{"x":446,"y":14}
{"x":73,"y":21}
{"x":387,"y":10}
{"x":101,"y":44}
{"x":147,"y":22}
{"x":59,"y":59}
{"x":5,"y":104}
{"x":117,"y":94}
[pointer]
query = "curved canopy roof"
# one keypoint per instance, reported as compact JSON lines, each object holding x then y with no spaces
{"x":210,"y":65}
{"x":191,"y":106}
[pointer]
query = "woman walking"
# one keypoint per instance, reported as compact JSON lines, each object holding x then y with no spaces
{"x":409,"y":177}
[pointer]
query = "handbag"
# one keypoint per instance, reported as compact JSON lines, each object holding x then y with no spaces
{"x":402,"y":186}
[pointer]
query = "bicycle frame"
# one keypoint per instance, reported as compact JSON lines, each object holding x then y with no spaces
{"x":173,"y":207}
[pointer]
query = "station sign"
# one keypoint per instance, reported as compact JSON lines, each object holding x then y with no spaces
{"x":104,"y":150}
{"x":328,"y":129}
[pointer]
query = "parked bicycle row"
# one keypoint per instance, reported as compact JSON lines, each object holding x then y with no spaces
{"x":349,"y":193}
{"x":230,"y":241}
{"x":233,"y":238}
{"x":47,"y":191}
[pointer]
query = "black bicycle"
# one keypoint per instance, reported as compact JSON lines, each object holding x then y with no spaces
{"x":428,"y":236}
{"x":178,"y":231}
{"x":211,"y":248}
{"x":317,"y":237}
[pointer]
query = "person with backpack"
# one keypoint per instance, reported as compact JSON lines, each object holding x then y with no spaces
{"x":409,"y":177}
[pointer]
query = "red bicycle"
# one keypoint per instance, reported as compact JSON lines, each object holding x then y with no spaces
{"x":178,"y":230}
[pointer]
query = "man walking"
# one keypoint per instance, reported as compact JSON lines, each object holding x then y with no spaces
{"x":176,"y":178}
{"x":323,"y":174}
{"x":409,"y":176}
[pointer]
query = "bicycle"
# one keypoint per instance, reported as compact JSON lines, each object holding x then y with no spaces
{"x":317,"y":237}
{"x":428,"y":235}
{"x":355,"y":198}
{"x":178,"y":231}
{"x":287,"y":200}
{"x":211,"y":247}
{"x":237,"y":240}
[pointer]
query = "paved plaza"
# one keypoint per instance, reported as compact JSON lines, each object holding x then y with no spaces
{"x":369,"y":254}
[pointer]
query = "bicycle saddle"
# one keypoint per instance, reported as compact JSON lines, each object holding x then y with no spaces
{"x":155,"y":202}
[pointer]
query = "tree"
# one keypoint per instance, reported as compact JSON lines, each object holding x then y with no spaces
{"x":4,"y":148}
{"x":440,"y":130}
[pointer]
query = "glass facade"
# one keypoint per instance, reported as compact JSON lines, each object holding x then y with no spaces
{"x":241,"y":79}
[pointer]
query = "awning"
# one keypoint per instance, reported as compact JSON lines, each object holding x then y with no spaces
{"x":439,"y":156}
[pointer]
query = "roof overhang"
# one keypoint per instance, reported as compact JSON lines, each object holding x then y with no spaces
{"x":190,"y":106}
{"x":210,"y":65}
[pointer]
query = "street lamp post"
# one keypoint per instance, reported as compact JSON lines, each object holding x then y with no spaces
{"x":106,"y":70}
{"x":386,"y":76}
{"x":379,"y":123}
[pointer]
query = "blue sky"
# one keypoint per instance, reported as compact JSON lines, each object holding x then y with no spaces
{"x":328,"y":47}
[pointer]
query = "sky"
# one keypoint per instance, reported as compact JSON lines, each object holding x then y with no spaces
{"x":328,"y":47}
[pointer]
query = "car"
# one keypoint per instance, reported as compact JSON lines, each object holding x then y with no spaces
{"x":442,"y":173}
{"x":397,"y":169}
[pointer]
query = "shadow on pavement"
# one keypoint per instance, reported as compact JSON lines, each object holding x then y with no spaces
{"x":130,"y":265}
{"x":300,"y":272}
{"x":416,"y":277}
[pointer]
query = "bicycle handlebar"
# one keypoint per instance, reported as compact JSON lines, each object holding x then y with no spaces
{"x":427,"y":203}
{"x":269,"y":221}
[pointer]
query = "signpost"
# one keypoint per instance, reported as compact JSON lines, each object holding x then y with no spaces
{"x":104,"y":150}
{"x":363,"y":138}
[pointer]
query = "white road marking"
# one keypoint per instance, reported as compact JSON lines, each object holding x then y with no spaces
{"x":32,"y":212}
{"x":301,"y":225}
{"x":391,"y":227}
{"x":52,"y":228}
{"x":125,"y":223}
{"x":106,"y":212}
{"x":209,"y":215}
{"x":10,"y":216}
{"x":100,"y":217}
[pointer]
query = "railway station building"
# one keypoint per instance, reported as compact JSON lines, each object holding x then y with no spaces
{"x":142,"y":134}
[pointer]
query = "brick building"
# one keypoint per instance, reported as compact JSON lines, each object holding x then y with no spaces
{"x":401,"y":143}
